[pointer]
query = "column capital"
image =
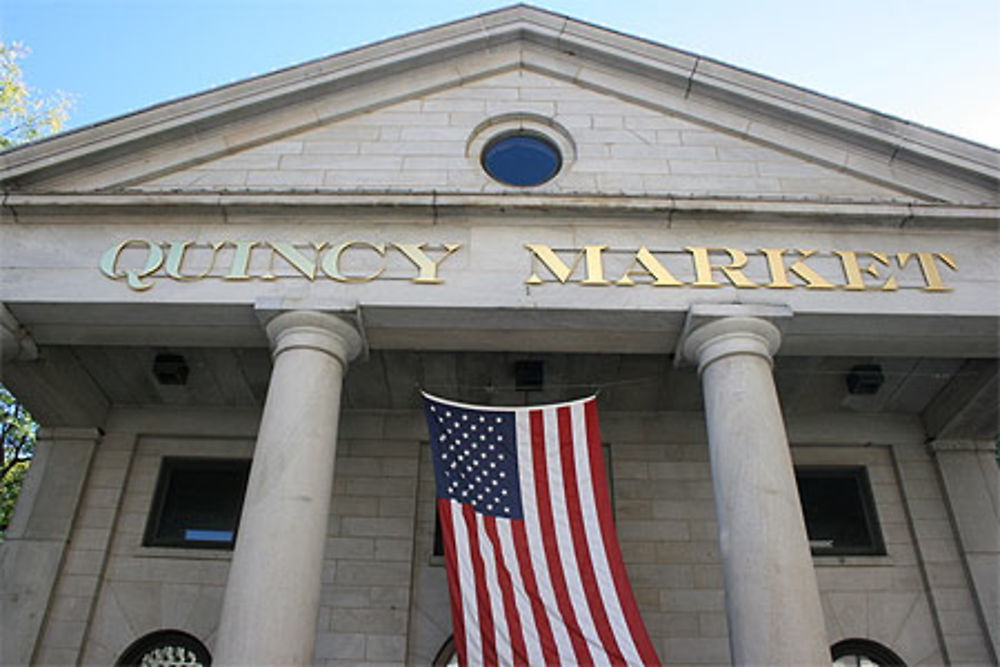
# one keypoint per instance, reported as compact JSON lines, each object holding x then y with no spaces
{"x":315,"y":330}
{"x":731,"y":335}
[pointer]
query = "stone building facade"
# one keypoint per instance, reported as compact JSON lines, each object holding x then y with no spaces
{"x":770,"y":290}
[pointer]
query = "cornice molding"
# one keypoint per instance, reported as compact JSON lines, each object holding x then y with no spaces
{"x":23,"y":206}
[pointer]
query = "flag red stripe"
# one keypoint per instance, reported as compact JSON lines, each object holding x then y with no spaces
{"x":482,"y":595}
{"x":585,"y":564}
{"x":451,"y":566}
{"x":542,"y":626}
{"x":556,"y":574}
{"x":627,"y":600}
{"x":520,"y":653}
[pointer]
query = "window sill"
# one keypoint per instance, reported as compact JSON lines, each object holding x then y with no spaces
{"x":841,"y":560}
{"x":178,"y":553}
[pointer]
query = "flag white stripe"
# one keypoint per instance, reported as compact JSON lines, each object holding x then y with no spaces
{"x":564,"y":540}
{"x":501,"y":630}
{"x":533,"y":530}
{"x":467,"y":584}
{"x":595,"y":541}
{"x":532,"y":643}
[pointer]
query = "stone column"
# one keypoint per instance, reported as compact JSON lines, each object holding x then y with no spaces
{"x":772,"y":600}
{"x":272,"y":595}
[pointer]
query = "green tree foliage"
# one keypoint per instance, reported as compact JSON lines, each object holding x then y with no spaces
{"x":18,"y":431}
{"x":24,"y":115}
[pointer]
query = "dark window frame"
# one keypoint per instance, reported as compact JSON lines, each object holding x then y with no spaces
{"x":866,"y":502}
{"x":171,"y":466}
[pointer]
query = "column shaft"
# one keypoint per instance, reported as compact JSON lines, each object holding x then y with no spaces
{"x":772,"y":599}
{"x":272,"y":595}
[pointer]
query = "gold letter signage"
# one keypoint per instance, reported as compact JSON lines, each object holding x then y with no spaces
{"x":140,"y":262}
{"x":721,"y":266}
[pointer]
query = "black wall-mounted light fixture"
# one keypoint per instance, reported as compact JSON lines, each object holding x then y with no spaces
{"x":529,"y":375}
{"x":864,"y":379}
{"x":170,"y":369}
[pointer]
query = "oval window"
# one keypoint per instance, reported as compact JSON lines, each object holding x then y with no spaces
{"x":521,"y":159}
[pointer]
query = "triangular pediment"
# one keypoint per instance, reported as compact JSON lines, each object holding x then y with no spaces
{"x":404,"y":115}
{"x":430,"y":143}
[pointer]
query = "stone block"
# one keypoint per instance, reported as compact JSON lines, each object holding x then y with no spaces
{"x":969,"y":650}
{"x":660,"y":576}
{"x":374,"y":621}
{"x":939,"y":551}
{"x":410,"y":133}
{"x":574,"y":121}
{"x":398,"y":467}
{"x":345,"y":505}
{"x":410,"y":119}
{"x":708,"y":576}
{"x":687,"y":552}
{"x":69,"y":608}
{"x":372,"y":573}
{"x":959,"y":621}
{"x":398,"y":507}
{"x":77,"y":585}
{"x":51,"y":655}
{"x":391,"y":597}
{"x":385,"y":648}
{"x":279,"y":147}
{"x":376,"y":527}
{"x":233,"y":177}
{"x":671,"y":624}
{"x":697,"y":651}
{"x":604,"y":122}
{"x":639,"y":531}
{"x":679,"y":470}
{"x":712,"y":167}
{"x":331,"y":148}
{"x":712,"y":625}
{"x":683,"y":509}
{"x":350,"y":547}
{"x":381,"y":486}
{"x":244,"y":161}
{"x":344,"y":597}
{"x":693,"y":600}
{"x":389,"y":549}
{"x":453,"y":105}
{"x":340,"y":646}
{"x":341,"y":162}
{"x":853,"y":579}
{"x":83,"y":561}
{"x":66,"y":634}
{"x":633,"y":509}
{"x":359,"y":466}
{"x":285,"y":177}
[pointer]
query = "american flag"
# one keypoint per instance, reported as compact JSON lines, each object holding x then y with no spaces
{"x":534,"y":568}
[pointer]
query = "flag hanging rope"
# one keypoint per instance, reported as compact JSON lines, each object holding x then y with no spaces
{"x":534,"y":569}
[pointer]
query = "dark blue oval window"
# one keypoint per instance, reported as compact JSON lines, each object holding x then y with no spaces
{"x":521,"y":159}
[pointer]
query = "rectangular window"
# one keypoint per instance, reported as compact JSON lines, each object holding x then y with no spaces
{"x":197,"y":503}
{"x":839,"y":511}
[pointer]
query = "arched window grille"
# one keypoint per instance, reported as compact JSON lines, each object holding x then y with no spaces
{"x":863,"y":653}
{"x":166,"y":648}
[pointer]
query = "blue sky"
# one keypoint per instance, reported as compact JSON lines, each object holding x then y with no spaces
{"x":935,"y":62}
